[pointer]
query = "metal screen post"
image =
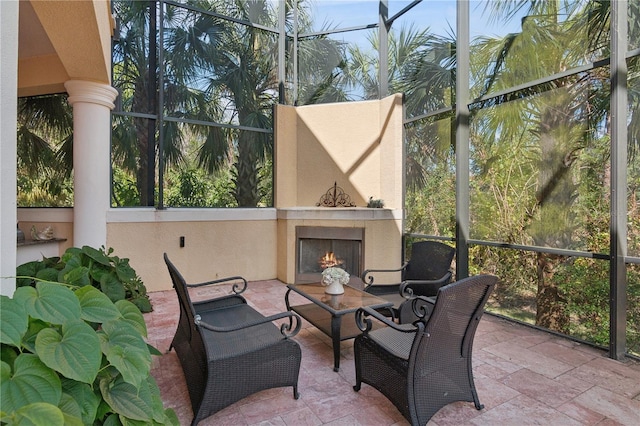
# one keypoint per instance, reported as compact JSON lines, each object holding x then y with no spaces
{"x":618,"y":226}
{"x":462,"y":140}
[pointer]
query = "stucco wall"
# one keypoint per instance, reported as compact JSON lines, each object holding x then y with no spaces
{"x":59,"y":219}
{"x":357,"y":145}
{"x":8,"y":108}
{"x":218,"y":243}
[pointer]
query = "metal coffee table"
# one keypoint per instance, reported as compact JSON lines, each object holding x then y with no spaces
{"x":326,"y":311}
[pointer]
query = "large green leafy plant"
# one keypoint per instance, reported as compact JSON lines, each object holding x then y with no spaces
{"x":71,"y":356}
{"x":89,"y":266}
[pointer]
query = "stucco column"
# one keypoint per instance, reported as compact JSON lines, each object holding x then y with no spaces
{"x":8,"y":108}
{"x":92,"y":103}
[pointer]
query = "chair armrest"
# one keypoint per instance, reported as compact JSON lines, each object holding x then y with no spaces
{"x":237,"y":289}
{"x":420,"y":306}
{"x":367,"y":279}
{"x":287,"y":330}
{"x":365,"y":324}
{"x":405,"y":289}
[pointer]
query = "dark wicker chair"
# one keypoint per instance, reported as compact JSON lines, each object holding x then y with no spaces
{"x":424,"y":366}
{"x":228,"y":350}
{"x":428,"y":269}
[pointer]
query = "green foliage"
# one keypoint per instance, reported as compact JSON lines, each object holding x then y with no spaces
{"x":375,"y":204}
{"x":45,"y":190}
{"x":87,"y":266}
{"x":72,"y":356}
{"x":193,"y":187}
{"x":429,"y":214}
{"x":44,"y":142}
{"x":124,"y":191}
{"x":515,"y":293}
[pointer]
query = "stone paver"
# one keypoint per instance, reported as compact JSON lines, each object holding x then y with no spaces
{"x":523,"y":377}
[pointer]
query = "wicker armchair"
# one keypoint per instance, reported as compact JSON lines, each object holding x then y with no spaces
{"x":424,"y":366}
{"x":428,"y":269}
{"x":228,"y":350}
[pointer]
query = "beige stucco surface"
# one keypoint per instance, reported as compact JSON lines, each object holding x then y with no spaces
{"x":213,"y":249}
{"x":357,"y":145}
{"x":49,"y":41}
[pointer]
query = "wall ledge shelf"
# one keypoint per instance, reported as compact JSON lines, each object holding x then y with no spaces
{"x":35,"y":250}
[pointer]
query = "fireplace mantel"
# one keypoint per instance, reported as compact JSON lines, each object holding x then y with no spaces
{"x":338,"y":213}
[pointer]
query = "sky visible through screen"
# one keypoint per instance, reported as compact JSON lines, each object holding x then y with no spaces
{"x":438,"y":15}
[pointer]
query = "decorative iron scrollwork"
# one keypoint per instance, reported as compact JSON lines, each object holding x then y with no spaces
{"x":335,"y":197}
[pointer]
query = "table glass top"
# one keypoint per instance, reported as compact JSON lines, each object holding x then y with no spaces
{"x":349,"y":301}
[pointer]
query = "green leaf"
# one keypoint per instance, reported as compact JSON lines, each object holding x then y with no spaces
{"x":47,"y":274}
{"x":129,"y":422}
{"x":143,"y":303}
{"x":112,"y":420}
{"x":72,"y":257}
{"x":71,"y":410}
{"x":72,"y":420}
{"x":8,"y":354}
{"x":52,"y":303}
{"x":84,"y":396}
{"x":75,"y":354}
{"x":133,"y":315}
{"x":37,"y":414}
{"x":124,"y":271}
{"x":103,"y":408}
{"x":151,"y":386}
{"x":78,"y":276}
{"x":32,"y":382}
{"x":5,"y":371}
{"x":51,"y":262}
{"x":13,"y":322}
{"x":153,"y":350}
{"x":127,"y":400}
{"x":112,"y":287}
{"x":29,"y":268}
{"x":171,"y":418}
{"x":134,"y":365}
{"x":29,"y":339}
{"x":96,"y":306}
{"x":97,"y":272}
{"x":126,"y":350}
{"x":96,"y":255}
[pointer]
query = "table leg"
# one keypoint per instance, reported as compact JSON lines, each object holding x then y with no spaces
{"x":336,"y":322}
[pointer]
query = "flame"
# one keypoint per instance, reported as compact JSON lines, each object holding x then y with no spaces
{"x":329,"y":260}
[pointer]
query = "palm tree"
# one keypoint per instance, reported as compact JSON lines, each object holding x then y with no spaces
{"x":237,"y":72}
{"x":44,"y":150}
{"x":217,"y":71}
{"x":136,"y":72}
{"x":563,"y":117}
{"x":421,"y":67}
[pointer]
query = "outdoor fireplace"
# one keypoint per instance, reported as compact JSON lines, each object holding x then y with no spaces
{"x":320,"y":247}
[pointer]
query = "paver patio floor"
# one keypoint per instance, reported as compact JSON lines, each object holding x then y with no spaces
{"x":523,"y":376}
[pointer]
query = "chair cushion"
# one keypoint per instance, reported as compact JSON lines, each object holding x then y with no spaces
{"x":222,"y":345}
{"x":394,"y":341}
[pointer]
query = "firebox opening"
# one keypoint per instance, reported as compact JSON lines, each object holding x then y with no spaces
{"x":320,"y":247}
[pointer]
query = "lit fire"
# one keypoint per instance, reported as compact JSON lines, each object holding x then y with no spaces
{"x":329,"y":260}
